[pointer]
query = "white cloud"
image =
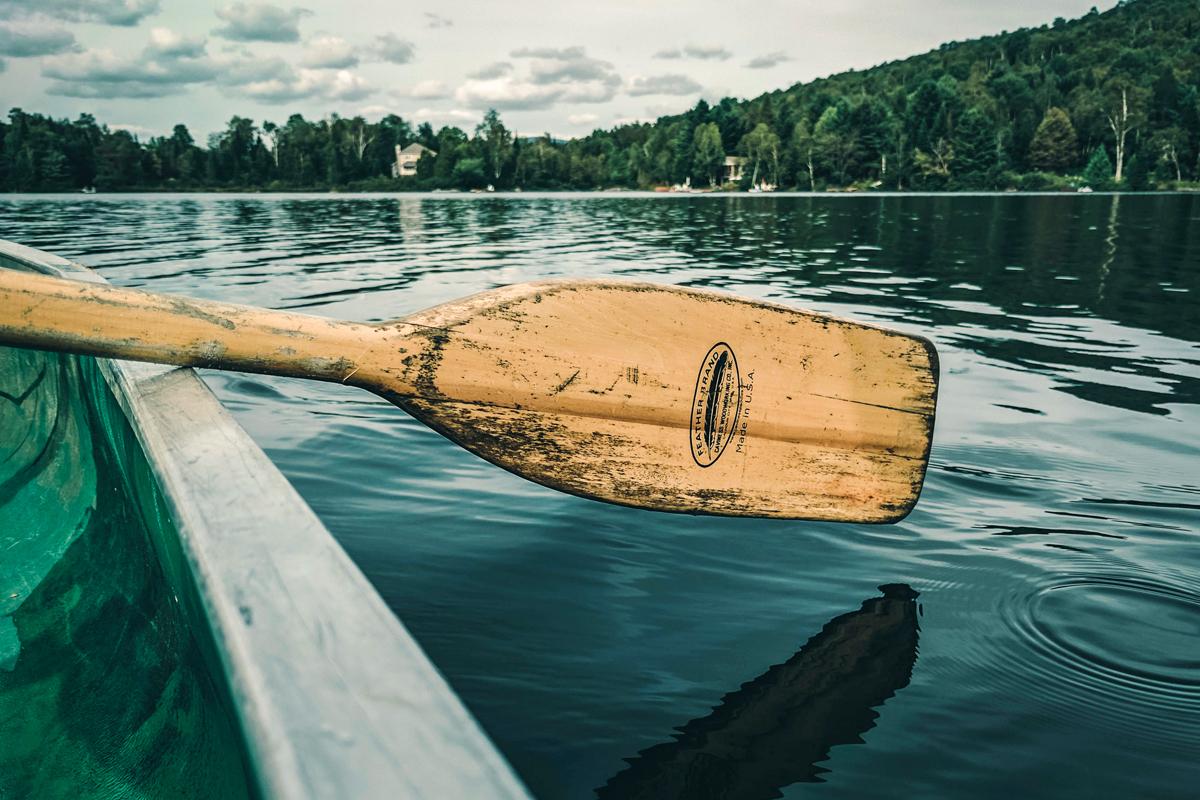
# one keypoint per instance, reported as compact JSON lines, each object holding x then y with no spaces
{"x":452,"y":117}
{"x":437,"y":21}
{"x":703,"y":52}
{"x":101,"y":73}
{"x":707,"y":52}
{"x":549,"y":52}
{"x":135,"y":90}
{"x":662,"y":84}
{"x":562,"y":70}
{"x":166,"y":42}
{"x":582,"y":119}
{"x":309,"y":84}
{"x":496,"y":70}
{"x":346,"y":86}
{"x":430,"y":90}
{"x":507,"y":94}
{"x":35,"y":42}
{"x":330,"y":52}
{"x":592,"y":92}
{"x":371,"y":111}
{"x":126,"y":13}
{"x":510,"y":94}
{"x":566,"y":65}
{"x":170,"y":63}
{"x":555,"y":75}
{"x":260,"y":22}
{"x":390,"y":47}
{"x":769,"y":60}
{"x":240,"y":67}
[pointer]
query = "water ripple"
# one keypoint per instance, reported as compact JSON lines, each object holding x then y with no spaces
{"x":1122,"y":645}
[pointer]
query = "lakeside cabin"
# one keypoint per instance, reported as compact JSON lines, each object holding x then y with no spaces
{"x":733,"y":169}
{"x":406,"y":160}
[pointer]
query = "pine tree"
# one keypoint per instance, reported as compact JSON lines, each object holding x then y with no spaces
{"x":1054,"y":145}
{"x":56,"y":175}
{"x":974,"y":147}
{"x":682,"y":151}
{"x":1137,"y":173}
{"x":24,"y":176}
{"x":1099,"y":171}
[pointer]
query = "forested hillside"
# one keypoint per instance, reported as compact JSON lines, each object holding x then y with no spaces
{"x":1108,"y":100}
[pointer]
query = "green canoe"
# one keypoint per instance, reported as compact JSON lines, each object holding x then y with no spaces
{"x":176,"y":622}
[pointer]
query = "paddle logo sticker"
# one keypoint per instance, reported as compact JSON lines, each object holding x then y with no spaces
{"x":716,"y":405}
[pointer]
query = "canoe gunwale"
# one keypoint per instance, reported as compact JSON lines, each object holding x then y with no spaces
{"x":333,"y":696}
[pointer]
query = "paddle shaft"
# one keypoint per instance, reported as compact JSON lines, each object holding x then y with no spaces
{"x":45,"y":313}
{"x":394,"y":359}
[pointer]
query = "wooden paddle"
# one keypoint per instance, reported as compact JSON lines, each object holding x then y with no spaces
{"x":643,"y":395}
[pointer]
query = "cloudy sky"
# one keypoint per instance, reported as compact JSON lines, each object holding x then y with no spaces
{"x":562,"y":67}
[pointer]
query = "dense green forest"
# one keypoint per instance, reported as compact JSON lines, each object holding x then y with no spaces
{"x":1110,"y":100}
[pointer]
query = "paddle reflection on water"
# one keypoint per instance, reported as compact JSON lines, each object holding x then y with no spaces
{"x":774,"y":730}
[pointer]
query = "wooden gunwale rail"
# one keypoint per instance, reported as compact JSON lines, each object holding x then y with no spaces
{"x":332,"y":695}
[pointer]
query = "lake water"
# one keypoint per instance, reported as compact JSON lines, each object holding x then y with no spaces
{"x":1038,"y":633}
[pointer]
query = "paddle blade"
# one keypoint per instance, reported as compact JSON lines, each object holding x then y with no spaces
{"x":678,"y":400}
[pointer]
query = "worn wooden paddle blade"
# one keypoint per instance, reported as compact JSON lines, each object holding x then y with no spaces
{"x":678,"y":400}
{"x":644,"y":395}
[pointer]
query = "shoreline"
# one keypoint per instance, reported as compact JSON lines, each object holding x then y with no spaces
{"x":541,"y":193}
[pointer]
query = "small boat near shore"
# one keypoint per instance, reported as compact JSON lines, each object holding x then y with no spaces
{"x":175,"y":620}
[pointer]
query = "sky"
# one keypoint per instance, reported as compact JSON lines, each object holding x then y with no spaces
{"x":563,"y":67}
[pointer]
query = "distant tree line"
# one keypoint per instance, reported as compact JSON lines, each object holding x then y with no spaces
{"x":1109,"y":100}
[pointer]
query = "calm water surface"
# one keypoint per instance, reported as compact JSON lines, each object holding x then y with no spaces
{"x":1031,"y":630}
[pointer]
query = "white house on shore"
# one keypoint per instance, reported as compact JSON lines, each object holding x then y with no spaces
{"x":733,"y":169}
{"x":406,"y":160}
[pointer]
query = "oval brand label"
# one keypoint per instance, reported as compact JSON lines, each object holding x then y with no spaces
{"x":716,"y":405}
